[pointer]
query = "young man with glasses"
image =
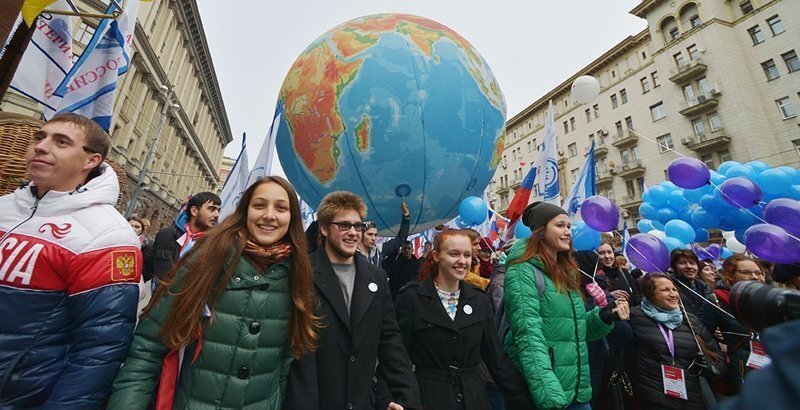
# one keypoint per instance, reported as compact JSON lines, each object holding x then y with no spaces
{"x":358,"y":326}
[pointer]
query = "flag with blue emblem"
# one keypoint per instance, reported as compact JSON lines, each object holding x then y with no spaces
{"x":547,"y":162}
{"x":584,"y":186}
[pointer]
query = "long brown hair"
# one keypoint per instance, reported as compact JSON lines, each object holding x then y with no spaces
{"x":430,"y":267}
{"x":562,"y":270}
{"x":207,"y":275}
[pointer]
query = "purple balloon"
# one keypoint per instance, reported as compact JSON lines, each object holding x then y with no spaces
{"x":784,"y":212}
{"x":772,"y":243}
{"x":740,"y":192}
{"x":648,"y":253}
{"x":688,"y":173}
{"x":715,"y":250}
{"x":600,"y":213}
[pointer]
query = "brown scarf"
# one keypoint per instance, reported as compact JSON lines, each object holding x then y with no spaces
{"x":263,"y":256}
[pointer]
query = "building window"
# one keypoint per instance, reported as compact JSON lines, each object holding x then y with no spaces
{"x":787,"y":107}
{"x":796,"y":144}
{"x":665,"y":143}
{"x":756,"y":35}
{"x":708,"y":159}
{"x":591,"y":138}
{"x":657,"y":111}
{"x":654,"y":75}
{"x":623,"y":95}
{"x":792,"y":63}
{"x":574,"y":174}
{"x":645,"y":85}
{"x":572,"y":124}
{"x":84,"y":34}
{"x":573,"y":150}
{"x":746,"y":6}
{"x":679,"y":61}
{"x":695,"y":21}
{"x":588,"y":115}
{"x":776,"y":25}
{"x":596,"y":111}
{"x":714,"y":121}
{"x":724,"y":156}
{"x":629,"y":123}
{"x":705,"y":86}
{"x":770,"y":70}
{"x":530,"y":147}
{"x":620,"y":131}
{"x":630,"y":188}
{"x":694,"y":52}
{"x":674,"y":33}
{"x":699,"y":128}
{"x":614,"y":102}
{"x":566,"y":127}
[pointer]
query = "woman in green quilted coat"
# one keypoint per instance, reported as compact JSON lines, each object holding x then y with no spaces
{"x":237,"y":310}
{"x":549,"y":326}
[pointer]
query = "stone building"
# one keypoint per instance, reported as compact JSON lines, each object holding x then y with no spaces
{"x":714,"y":80}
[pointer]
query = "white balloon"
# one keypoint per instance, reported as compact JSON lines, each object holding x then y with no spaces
{"x":585,"y":89}
{"x":733,"y":244}
{"x":727,"y":234}
{"x":658,"y":234}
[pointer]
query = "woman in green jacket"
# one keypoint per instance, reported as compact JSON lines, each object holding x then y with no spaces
{"x":549,"y":326}
{"x":235,"y":312}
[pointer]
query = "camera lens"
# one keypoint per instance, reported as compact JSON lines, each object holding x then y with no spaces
{"x":759,"y":306}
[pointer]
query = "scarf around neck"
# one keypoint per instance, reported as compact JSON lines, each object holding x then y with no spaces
{"x":265,"y":255}
{"x":669,"y":318}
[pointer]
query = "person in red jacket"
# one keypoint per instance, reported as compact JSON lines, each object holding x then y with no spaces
{"x":69,"y":273}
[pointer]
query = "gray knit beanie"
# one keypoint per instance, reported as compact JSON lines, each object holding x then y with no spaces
{"x":540,"y":213}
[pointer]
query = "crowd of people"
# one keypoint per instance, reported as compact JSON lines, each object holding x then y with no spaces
{"x":255,"y":312}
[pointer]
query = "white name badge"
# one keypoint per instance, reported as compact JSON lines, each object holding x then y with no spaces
{"x":758,"y":356}
{"x":674,"y":380}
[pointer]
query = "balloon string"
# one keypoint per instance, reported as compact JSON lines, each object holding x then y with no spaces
{"x":678,"y":281}
{"x":638,"y":134}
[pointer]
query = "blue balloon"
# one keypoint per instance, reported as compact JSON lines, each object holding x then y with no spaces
{"x":669,"y":186}
{"x":774,"y":181}
{"x":473,"y":210}
{"x":658,"y":225}
{"x":726,"y":253}
{"x":685,"y":215}
{"x":646,"y":196}
{"x":741,"y":218}
{"x":723,"y":167}
{"x":740,"y":171}
{"x":647,"y":210}
{"x":645,"y":225}
{"x":739,"y":234}
{"x":703,"y":218}
{"x":794,"y":192}
{"x":717,"y":178}
{"x":700,"y":235}
{"x":658,"y":195}
{"x":677,"y":201}
{"x":793,"y":173}
{"x":521,"y":231}
{"x":665,"y":215}
{"x":758,"y":166}
{"x":672,"y":243}
{"x":694,"y":195}
{"x":461,"y":224}
{"x":584,"y":238}
{"x":679,"y":230}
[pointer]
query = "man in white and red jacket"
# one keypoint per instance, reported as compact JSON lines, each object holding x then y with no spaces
{"x":69,"y":269}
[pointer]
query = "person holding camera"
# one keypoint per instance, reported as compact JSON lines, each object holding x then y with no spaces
{"x":672,"y":348}
{"x":738,"y":338}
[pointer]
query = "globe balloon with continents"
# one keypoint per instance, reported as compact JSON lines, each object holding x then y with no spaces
{"x":392,"y":107}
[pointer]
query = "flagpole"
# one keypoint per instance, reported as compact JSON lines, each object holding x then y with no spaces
{"x":168,"y":104}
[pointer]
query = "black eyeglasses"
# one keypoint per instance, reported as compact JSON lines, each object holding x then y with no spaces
{"x":345,"y":226}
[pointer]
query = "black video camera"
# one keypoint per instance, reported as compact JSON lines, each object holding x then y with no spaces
{"x":758,"y":305}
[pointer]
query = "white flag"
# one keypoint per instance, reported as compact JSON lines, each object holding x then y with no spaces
{"x":583,"y":188}
{"x":88,"y":88}
{"x":548,"y":162}
{"x":47,"y":60}
{"x":235,"y":184}
{"x":263,"y":165}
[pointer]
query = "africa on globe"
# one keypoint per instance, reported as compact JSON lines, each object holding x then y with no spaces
{"x":392,"y":107}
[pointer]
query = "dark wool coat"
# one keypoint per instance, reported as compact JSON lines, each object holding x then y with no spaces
{"x":446,"y":353}
{"x":339,"y":375}
{"x":651,"y":352}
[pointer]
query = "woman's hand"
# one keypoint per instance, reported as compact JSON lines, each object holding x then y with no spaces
{"x":622,"y":310}
{"x":620,"y":294}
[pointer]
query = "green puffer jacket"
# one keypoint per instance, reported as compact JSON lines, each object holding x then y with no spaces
{"x":548,"y":336}
{"x":245,"y":356}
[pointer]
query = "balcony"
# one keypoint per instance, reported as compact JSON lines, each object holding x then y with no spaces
{"x":623,"y":140}
{"x":701,"y":103}
{"x":631,"y":169}
{"x":707,"y":142}
{"x":502,"y":189}
{"x":599,"y":150}
{"x":631,"y":202}
{"x":688,"y":71}
{"x":605,"y":177}
{"x":515,"y":185}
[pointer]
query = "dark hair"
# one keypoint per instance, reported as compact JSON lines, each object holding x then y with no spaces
{"x":563,"y":270}
{"x":207,"y":276}
{"x":677,"y":254}
{"x":97,"y":139}
{"x":407,"y":243}
{"x":199,"y":199}
{"x":648,"y":283}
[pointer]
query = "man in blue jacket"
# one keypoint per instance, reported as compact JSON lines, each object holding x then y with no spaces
{"x":69,"y":269}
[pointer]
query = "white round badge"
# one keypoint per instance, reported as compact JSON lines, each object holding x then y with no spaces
{"x":468,"y":309}
{"x":373,"y":287}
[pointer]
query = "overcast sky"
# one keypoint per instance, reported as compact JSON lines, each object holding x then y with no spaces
{"x":531,"y":45}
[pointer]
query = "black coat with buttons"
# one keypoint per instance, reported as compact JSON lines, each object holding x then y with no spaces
{"x":339,"y":375}
{"x":446,"y":353}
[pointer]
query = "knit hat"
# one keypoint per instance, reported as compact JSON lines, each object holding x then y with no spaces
{"x":539,"y":214}
{"x":486,"y":243}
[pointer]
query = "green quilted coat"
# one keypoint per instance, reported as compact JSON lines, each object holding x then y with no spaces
{"x":548,"y":335}
{"x":245,"y":356}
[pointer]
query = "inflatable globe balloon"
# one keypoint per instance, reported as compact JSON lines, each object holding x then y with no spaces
{"x":391,"y":107}
{"x":585,"y":89}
